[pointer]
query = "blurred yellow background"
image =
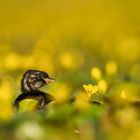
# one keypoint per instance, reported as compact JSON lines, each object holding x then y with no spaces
{"x":75,"y":41}
{"x":66,"y":39}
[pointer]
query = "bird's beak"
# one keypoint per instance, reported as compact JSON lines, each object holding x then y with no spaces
{"x":49,"y":80}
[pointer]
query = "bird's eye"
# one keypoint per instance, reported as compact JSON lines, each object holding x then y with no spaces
{"x":45,"y":75}
{"x":40,"y":77}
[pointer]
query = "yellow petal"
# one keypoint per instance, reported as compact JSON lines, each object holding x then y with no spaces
{"x":90,"y":89}
{"x":96,"y":73}
{"x":123,"y":95}
{"x":102,"y":84}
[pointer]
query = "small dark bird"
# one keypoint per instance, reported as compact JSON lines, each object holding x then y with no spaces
{"x":31,"y":82}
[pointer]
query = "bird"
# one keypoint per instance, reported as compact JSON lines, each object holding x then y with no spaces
{"x":31,"y":82}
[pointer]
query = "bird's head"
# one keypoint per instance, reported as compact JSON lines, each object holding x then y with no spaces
{"x":35,"y":79}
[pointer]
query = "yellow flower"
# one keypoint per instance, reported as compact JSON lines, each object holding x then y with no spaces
{"x":102,"y":85}
{"x":71,"y":60}
{"x":111,"y":68}
{"x":96,"y":73}
{"x":90,"y":89}
{"x":5,"y":100}
{"x":6,"y":112}
{"x":12,"y":61}
{"x":123,"y":95}
{"x":67,"y":60}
